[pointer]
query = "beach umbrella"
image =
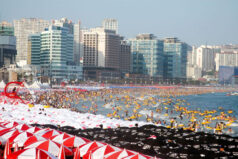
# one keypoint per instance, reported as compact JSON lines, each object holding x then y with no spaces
{"x":75,"y":141}
{"x":32,"y":140}
{"x":23,"y":127}
{"x":77,"y":153}
{"x":100,"y":152}
{"x":7,"y":150}
{"x":11,"y":124}
{"x":42,"y":131}
{"x":5,"y":136}
{"x":61,"y":154}
{"x":119,"y":154}
{"x":60,"y":138}
{"x":137,"y":156}
{"x":51,"y":147}
{"x":3,"y":131}
{"x":86,"y":148}
{"x":33,"y":129}
{"x":2,"y":127}
{"x":20,"y":137}
{"x":51,"y":133}
{"x":31,"y":153}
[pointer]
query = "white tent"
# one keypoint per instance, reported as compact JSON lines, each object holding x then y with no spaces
{"x":2,"y":84}
{"x":35,"y":85}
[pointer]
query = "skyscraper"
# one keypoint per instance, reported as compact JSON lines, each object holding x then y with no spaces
{"x":125,"y":57}
{"x":56,"y":50}
{"x":23,"y":28}
{"x":110,"y":24}
{"x":53,"y":49}
{"x":147,"y":55}
{"x":7,"y":44}
{"x":77,"y":43}
{"x":206,"y":58}
{"x":175,"y":54}
{"x":101,"y":48}
{"x":33,"y":49}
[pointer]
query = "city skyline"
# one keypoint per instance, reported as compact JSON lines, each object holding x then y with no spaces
{"x":211,"y":22}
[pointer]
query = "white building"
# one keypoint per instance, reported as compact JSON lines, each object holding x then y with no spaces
{"x":193,"y":70}
{"x":22,"y":29}
{"x":205,"y":58}
{"x":110,"y":24}
{"x":226,"y":58}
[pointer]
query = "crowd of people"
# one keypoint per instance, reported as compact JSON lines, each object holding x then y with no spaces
{"x":128,"y":104}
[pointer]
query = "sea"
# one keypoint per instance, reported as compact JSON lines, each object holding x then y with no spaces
{"x":220,"y":102}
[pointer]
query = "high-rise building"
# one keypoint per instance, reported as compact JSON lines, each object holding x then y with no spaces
{"x":77,"y":43}
{"x":33,"y":49}
{"x":125,"y":56}
{"x":7,"y":44}
{"x":64,"y":22}
{"x":205,"y":58}
{"x":193,"y":71}
{"x":225,"y":58}
{"x":175,"y":54}
{"x":55,"y":55}
{"x":23,"y":28}
{"x":101,"y":48}
{"x":110,"y":24}
{"x":147,"y":55}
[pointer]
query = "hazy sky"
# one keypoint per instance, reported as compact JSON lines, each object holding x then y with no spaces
{"x":193,"y":21}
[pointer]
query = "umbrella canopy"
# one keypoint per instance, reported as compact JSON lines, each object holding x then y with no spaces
{"x":51,"y":147}
{"x":51,"y":133}
{"x":32,"y":140}
{"x":31,"y":153}
{"x":119,"y":154}
{"x":100,"y":152}
{"x":60,"y":138}
{"x":33,"y":129}
{"x":42,"y":131}
{"x":75,"y":141}
{"x":23,"y":127}
{"x":5,"y":136}
{"x":137,"y":156}
{"x":20,"y":138}
{"x":86,"y":148}
{"x":11,"y":124}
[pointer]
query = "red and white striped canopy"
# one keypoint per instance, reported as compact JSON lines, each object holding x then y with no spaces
{"x":60,"y":138}
{"x":51,"y":133}
{"x":11,"y":124}
{"x":23,"y":127}
{"x":50,"y":146}
{"x":86,"y":148}
{"x":33,"y":129}
{"x":119,"y":154}
{"x":75,"y":141}
{"x":5,"y":136}
{"x":100,"y":152}
{"x":33,"y":139}
{"x":20,"y":138}
{"x":31,"y":153}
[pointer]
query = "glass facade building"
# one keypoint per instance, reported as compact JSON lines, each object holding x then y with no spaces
{"x":147,"y":55}
{"x":175,"y":58}
{"x":56,"y":50}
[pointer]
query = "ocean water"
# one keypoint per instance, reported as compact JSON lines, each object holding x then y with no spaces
{"x":212,"y":101}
